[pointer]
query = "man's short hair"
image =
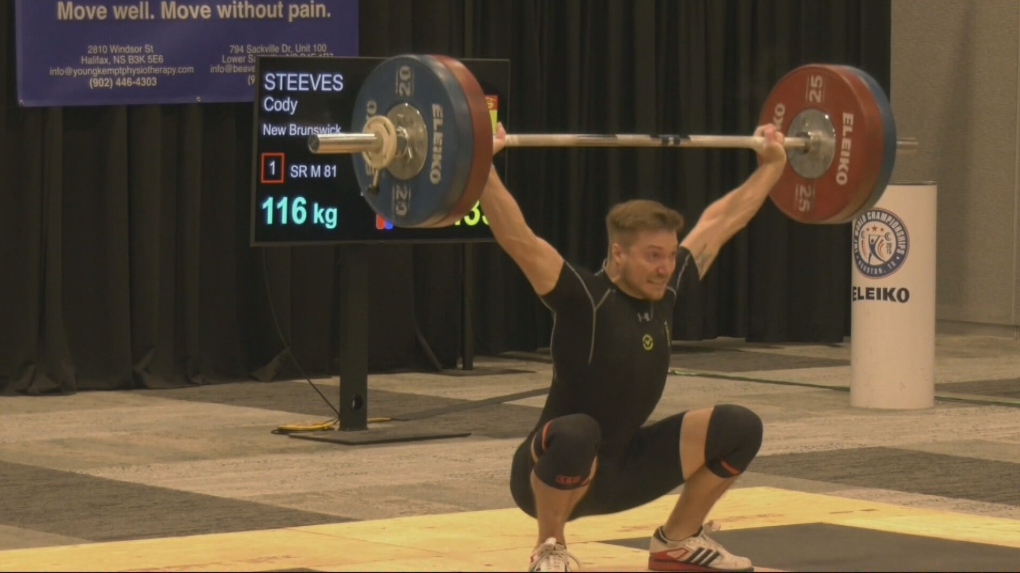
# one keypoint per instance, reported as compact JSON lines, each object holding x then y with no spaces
{"x":625,"y":220}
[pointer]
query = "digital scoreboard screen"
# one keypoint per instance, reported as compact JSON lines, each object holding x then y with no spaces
{"x":299,"y":197}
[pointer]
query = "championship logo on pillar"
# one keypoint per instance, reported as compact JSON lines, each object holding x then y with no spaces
{"x":881,"y":243}
{"x":892,"y":310}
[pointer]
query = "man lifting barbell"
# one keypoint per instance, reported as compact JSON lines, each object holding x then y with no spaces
{"x":423,"y":151}
{"x":590,"y":452}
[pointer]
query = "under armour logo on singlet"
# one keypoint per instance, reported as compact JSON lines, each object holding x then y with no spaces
{"x":646,"y":317}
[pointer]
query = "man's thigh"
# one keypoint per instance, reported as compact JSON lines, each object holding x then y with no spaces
{"x":644,"y":470}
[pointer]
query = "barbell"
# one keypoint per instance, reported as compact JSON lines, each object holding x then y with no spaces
{"x":421,"y":141}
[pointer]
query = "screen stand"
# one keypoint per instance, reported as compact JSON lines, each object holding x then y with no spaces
{"x":353,"y":316}
{"x":353,"y":338}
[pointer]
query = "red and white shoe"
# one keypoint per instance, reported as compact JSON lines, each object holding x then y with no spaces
{"x":696,"y":553}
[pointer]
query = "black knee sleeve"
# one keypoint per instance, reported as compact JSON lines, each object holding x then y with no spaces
{"x":734,"y":437}
{"x":566,"y":448}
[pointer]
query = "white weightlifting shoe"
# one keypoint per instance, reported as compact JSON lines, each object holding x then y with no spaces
{"x":553,"y":556}
{"x":697,"y":553}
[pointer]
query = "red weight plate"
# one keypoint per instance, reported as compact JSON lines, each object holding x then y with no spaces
{"x":481,"y":146}
{"x":835,"y":195}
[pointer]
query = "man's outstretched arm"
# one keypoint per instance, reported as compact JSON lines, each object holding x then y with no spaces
{"x":537,"y":259}
{"x":725,"y":217}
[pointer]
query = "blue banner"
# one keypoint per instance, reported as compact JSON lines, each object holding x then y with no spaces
{"x":119,"y":52}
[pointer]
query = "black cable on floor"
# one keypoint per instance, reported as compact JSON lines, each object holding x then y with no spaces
{"x":286,"y":345}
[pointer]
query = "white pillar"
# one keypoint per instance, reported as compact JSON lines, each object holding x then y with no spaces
{"x":892,"y":329}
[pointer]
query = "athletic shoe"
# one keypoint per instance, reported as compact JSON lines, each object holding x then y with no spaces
{"x":696,"y":553}
{"x":552,"y":556}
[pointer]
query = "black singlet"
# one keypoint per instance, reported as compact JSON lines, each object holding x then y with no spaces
{"x":610,"y":351}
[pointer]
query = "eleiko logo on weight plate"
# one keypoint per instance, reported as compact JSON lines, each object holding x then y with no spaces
{"x":881,"y":243}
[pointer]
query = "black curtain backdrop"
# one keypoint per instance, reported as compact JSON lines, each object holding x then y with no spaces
{"x":124,"y":230}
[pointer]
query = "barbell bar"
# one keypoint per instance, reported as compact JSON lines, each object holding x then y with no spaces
{"x":421,"y":141}
{"x":340,"y":143}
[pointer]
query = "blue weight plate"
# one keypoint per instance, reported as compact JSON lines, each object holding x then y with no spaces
{"x":888,"y":136}
{"x":430,"y":197}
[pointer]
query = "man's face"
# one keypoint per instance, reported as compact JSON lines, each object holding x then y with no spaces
{"x":646,"y":265}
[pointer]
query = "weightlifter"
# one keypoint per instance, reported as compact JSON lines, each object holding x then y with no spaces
{"x":591,"y":451}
